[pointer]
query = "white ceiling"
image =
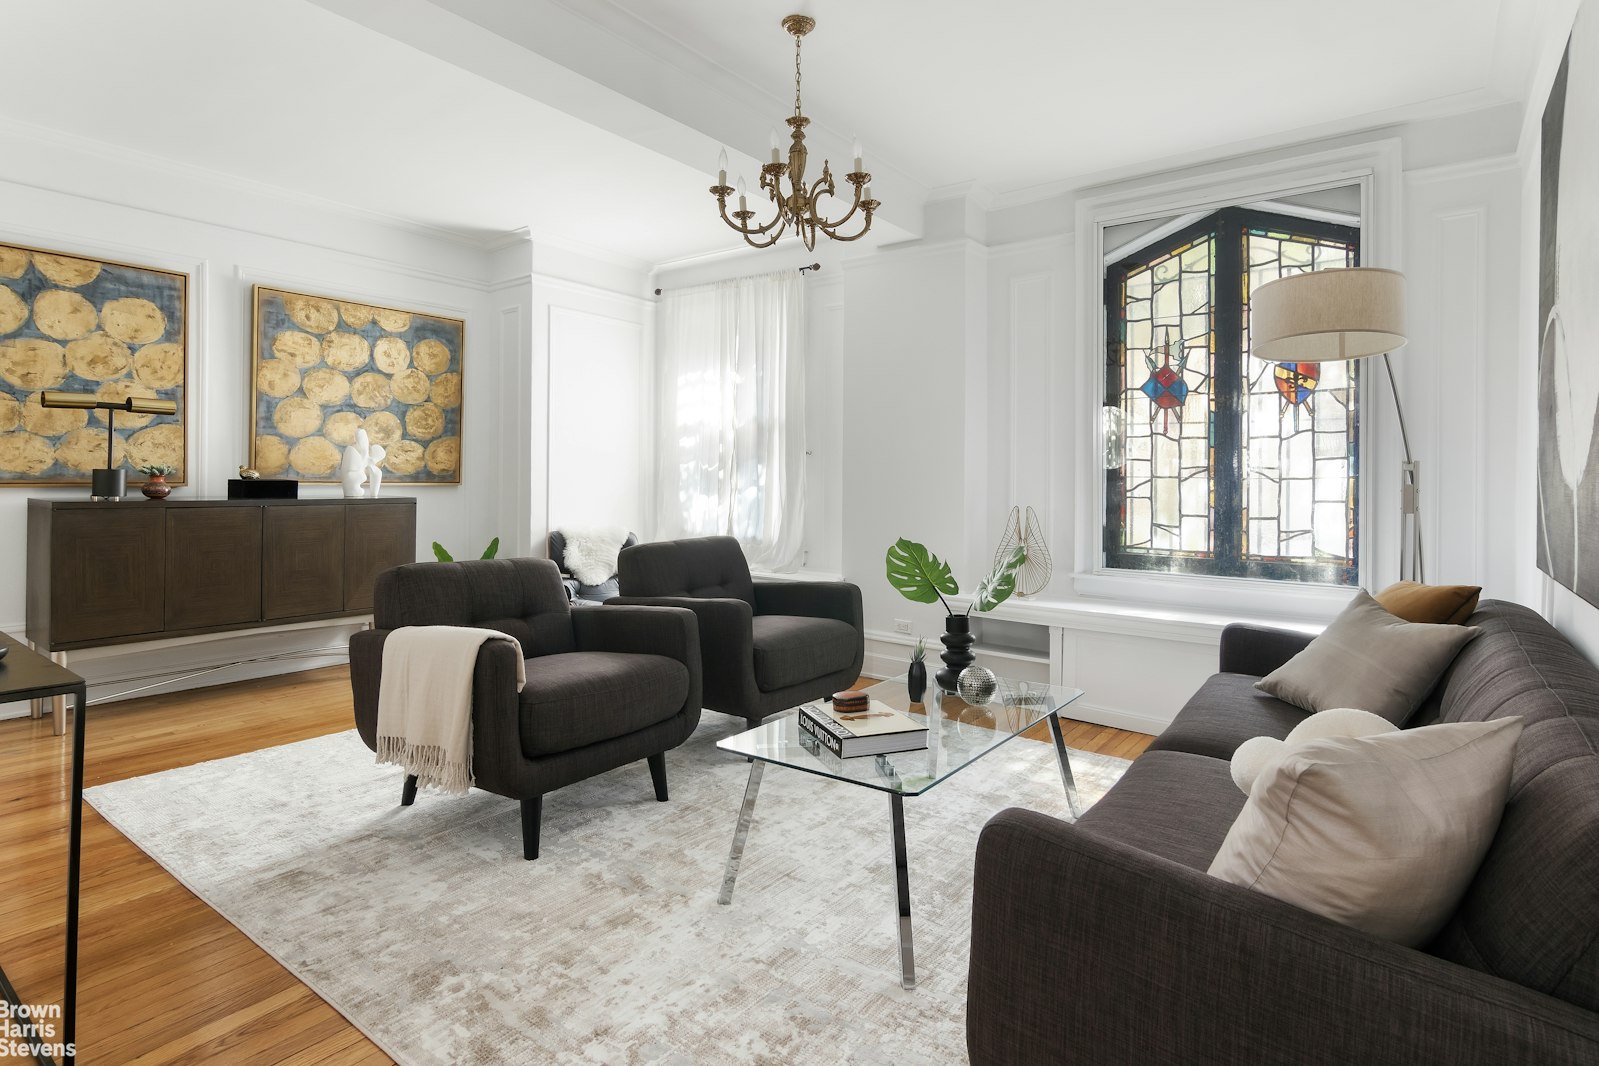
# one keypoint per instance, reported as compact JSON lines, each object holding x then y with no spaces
{"x":596,"y":122}
{"x":292,"y":95}
{"x":1016,"y":93}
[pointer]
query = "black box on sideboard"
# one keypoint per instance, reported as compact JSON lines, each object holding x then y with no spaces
{"x":262,"y":489}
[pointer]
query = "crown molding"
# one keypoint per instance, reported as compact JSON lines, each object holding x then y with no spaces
{"x":1370,"y":125}
{"x":120,"y":156}
{"x":1470,"y":168}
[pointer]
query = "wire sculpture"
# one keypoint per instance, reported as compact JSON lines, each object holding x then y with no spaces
{"x":1028,"y":533}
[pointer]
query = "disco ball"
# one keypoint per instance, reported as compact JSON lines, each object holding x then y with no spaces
{"x":977,"y":685}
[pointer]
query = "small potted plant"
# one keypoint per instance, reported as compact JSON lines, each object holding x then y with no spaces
{"x":155,"y":480}
{"x":916,"y":676}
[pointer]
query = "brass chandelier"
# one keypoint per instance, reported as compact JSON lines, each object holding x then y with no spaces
{"x":797,"y":208}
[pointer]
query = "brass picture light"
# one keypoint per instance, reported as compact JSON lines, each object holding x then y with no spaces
{"x":110,"y":483}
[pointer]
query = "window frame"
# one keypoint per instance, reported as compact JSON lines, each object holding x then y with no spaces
{"x":1374,"y":165}
{"x":1227,"y":227}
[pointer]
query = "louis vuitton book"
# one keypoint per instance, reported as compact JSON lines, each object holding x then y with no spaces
{"x":878,"y":730}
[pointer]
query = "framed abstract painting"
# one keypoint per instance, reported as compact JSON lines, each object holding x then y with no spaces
{"x":1568,"y":318}
{"x":80,"y":324}
{"x":324,"y":368}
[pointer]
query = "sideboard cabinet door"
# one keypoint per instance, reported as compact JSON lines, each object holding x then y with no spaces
{"x":105,"y":573}
{"x":377,"y":537}
{"x":213,"y":567}
{"x":302,"y":569}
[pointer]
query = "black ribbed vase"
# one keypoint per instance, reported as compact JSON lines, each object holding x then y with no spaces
{"x":957,"y":655}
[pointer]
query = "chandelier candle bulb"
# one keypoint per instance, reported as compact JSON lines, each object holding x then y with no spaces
{"x":721,"y":167}
{"x":857,"y":154}
{"x":775,"y":145}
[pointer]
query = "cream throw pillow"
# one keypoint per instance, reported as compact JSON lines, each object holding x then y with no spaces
{"x":1380,"y":832}
{"x":1367,"y":658}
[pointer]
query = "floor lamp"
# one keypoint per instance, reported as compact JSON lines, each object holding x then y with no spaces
{"x":1328,"y":315}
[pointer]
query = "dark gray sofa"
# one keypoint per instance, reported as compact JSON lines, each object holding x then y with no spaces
{"x":1106,"y":941}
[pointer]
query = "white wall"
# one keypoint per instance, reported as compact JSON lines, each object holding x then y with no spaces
{"x":228,"y":235}
{"x":598,"y":379}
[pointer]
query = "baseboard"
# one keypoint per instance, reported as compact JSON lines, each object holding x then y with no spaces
{"x":1111,"y":718}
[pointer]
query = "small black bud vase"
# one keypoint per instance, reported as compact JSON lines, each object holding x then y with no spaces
{"x":916,"y":680}
{"x":957,"y":655}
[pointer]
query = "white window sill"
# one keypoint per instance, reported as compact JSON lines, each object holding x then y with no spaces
{"x":796,"y":575}
{"x":1184,"y":608}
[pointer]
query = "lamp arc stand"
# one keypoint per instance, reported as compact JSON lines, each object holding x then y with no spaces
{"x":1411,"y":566}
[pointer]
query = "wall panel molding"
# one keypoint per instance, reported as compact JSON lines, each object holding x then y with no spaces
{"x":1458,"y":370}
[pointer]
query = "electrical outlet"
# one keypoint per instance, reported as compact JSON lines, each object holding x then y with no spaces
{"x":902,"y":625}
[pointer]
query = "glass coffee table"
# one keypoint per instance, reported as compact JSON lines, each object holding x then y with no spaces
{"x":958,"y":735}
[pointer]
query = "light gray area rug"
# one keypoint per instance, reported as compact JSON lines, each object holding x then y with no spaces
{"x":427,"y":930}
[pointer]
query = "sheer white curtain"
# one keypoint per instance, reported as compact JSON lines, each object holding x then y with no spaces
{"x":731,"y":425}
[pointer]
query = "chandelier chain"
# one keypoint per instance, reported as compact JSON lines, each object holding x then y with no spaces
{"x":797,"y":41}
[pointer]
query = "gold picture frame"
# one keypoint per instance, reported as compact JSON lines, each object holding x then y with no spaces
{"x":80,"y":323}
{"x":323,"y":367}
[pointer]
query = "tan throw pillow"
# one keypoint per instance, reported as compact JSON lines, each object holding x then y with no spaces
{"x":1369,"y":659}
{"x":1383,"y":833}
{"x":1449,"y":605}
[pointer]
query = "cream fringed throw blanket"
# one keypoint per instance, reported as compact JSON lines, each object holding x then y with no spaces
{"x":425,"y":701}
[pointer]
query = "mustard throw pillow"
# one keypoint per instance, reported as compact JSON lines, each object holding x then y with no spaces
{"x":1433,"y":604}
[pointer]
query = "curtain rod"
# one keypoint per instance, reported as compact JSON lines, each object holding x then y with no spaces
{"x":803,"y":269}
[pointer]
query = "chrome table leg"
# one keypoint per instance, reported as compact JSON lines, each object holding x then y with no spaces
{"x":1065,"y":767}
{"x":902,"y":891}
{"x":741,"y":832}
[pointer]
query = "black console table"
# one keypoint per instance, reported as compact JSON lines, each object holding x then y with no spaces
{"x":27,"y":675}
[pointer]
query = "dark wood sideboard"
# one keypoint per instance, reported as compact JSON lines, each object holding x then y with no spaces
{"x":117,"y":573}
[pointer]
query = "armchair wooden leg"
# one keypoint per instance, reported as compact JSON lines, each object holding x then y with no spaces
{"x":532,"y":812}
{"x":408,"y":793}
{"x":658,"y":774}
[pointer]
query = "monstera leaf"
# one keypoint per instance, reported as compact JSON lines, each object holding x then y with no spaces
{"x":1000,"y":583}
{"x":442,"y":554}
{"x":918,"y":574}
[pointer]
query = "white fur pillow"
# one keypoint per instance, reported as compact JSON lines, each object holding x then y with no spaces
{"x":1259,"y":754}
{"x":591,"y":553}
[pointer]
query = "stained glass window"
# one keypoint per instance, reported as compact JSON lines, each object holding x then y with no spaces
{"x":1228,"y":465}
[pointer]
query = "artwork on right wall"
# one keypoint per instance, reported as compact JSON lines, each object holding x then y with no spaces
{"x":1568,"y":318}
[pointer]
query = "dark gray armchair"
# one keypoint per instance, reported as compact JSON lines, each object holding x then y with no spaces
{"x":765,"y":645}
{"x":604,"y":687}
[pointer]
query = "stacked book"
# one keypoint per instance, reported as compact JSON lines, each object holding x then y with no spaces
{"x":855,"y":725}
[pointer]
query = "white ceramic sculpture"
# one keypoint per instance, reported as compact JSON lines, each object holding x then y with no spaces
{"x":352,"y":471}
{"x":361,"y":467}
{"x":374,"y":471}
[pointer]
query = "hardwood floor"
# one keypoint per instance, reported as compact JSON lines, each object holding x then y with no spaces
{"x":165,"y":979}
